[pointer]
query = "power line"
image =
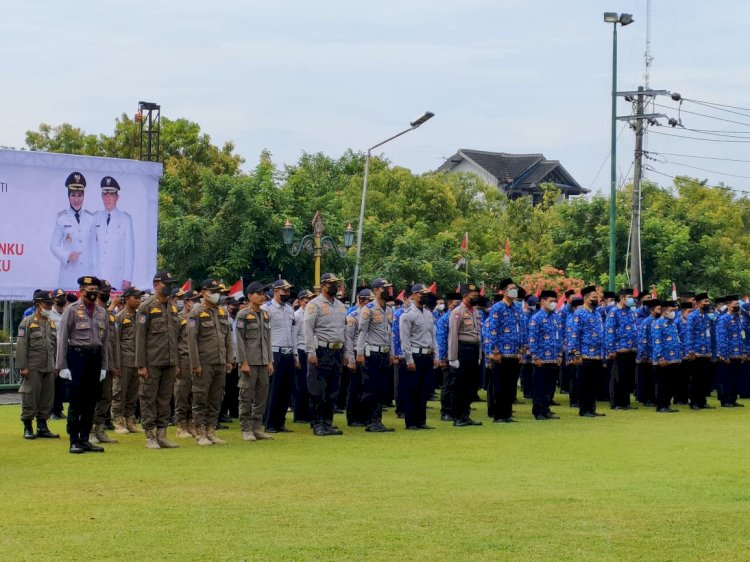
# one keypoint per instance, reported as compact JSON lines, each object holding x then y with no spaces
{"x":705,"y":170}
{"x":697,"y":156}
{"x":608,"y":156}
{"x":720,"y":106}
{"x":704,"y":115}
{"x":724,"y":134}
{"x":721,"y":187}
{"x":696,"y":138}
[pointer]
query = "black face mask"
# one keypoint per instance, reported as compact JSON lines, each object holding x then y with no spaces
{"x":91,"y":295}
{"x":473,"y":301}
{"x":104,"y":297}
{"x":168,"y":290}
{"x":331,"y":290}
{"x":594,"y":303}
{"x":705,"y":308}
{"x":285,"y":298}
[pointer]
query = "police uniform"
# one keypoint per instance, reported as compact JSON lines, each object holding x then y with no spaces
{"x":373,"y":342}
{"x":284,"y":330}
{"x":621,"y":340}
{"x":301,"y":397}
{"x":586,"y":344}
{"x":125,"y":384}
{"x":210,"y":348}
{"x":325,"y":319}
{"x":254,"y":347}
{"x":351,"y":384}
{"x":156,"y":351}
{"x":104,"y":405}
{"x":35,"y":352}
{"x":113,"y":235}
{"x":545,"y":347}
{"x":74,"y":233}
{"x":81,"y":356}
{"x":666,"y":356}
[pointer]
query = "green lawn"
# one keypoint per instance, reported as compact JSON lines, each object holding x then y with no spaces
{"x":632,"y":486}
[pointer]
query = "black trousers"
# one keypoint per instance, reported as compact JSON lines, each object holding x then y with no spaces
{"x":374,"y":392}
{"x":665,"y":377}
{"x":323,"y":384}
{"x":354,"y":410}
{"x":411,"y":389}
{"x":61,"y":395}
{"x":527,"y":379}
{"x":565,"y":378}
{"x":701,"y":374}
{"x":681,"y":389}
{"x":464,"y":380}
{"x":446,"y":406}
{"x":84,"y":392}
{"x":543,"y":378}
{"x":230,"y":405}
{"x":504,"y":379}
{"x":727,"y":375}
{"x":279,"y":390}
{"x":644,"y":383}
{"x":572,"y":373}
{"x":603,"y":381}
{"x":300,"y":396}
{"x":622,"y":379}
{"x":343,"y":395}
{"x":589,"y":374}
{"x":743,"y":383}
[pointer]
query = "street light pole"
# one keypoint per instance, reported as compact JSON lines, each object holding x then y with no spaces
{"x":426,"y":116}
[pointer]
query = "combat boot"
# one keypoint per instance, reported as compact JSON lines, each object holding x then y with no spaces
{"x":101,"y":435}
{"x":161,"y":438}
{"x":43,"y":431}
{"x":151,"y":442}
{"x":203,"y":440}
{"x":28,"y":430}
{"x":182,"y":430}
{"x":131,"y":425}
{"x":120,"y":425}
{"x":191,"y":428}
{"x":249,"y":436}
{"x":210,"y":433}
{"x":260,"y":434}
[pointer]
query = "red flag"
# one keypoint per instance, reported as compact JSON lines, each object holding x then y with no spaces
{"x":390,"y":291}
{"x":653,"y":293}
{"x":400,"y":296}
{"x":433,"y":288}
{"x":481,"y":291}
{"x":561,"y":301}
{"x":237,"y":290}
{"x":506,"y":258}
{"x":465,"y":242}
{"x":186,"y":286}
{"x":636,"y":293}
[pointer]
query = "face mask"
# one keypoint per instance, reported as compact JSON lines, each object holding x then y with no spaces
{"x":531,"y":308}
{"x":331,"y":290}
{"x":711,"y":316}
{"x":46,"y":313}
{"x":168,"y":290}
{"x":91,"y":295}
{"x":213,"y":298}
{"x":551,"y":306}
{"x":723,"y":308}
{"x":705,"y":308}
{"x":669,"y":315}
{"x":512,"y":293}
{"x":285,"y":298}
{"x":473,"y":301}
{"x":594,"y":303}
{"x":630,"y":302}
{"x":440,"y":307}
{"x":180,"y":305}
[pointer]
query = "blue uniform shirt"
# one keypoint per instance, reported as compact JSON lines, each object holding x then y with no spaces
{"x":585,"y":334}
{"x":730,"y":337}
{"x":397,"y":352}
{"x":698,"y":334}
{"x":503,"y":331}
{"x":545,"y":337}
{"x":644,"y":340}
{"x":441,"y":333}
{"x":665,"y":341}
{"x":621,"y":330}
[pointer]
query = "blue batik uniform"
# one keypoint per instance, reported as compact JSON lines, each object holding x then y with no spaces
{"x":620,"y":331}
{"x":665,"y":341}
{"x":545,"y":337}
{"x":644,"y":340}
{"x":503,"y":332}
{"x":682,"y":331}
{"x":730,"y":337}
{"x":698,"y":333}
{"x":566,"y":340}
{"x":585,"y":334}
{"x":397,"y":351}
{"x":441,"y":333}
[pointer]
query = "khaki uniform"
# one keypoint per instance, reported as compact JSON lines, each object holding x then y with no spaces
{"x":253,"y":347}
{"x":156,"y":349}
{"x":125,"y":387}
{"x":183,"y":385}
{"x":210,"y":348}
{"x":105,"y":402}
{"x":35,"y":351}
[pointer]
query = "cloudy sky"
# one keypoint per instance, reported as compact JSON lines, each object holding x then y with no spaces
{"x":327,"y":75}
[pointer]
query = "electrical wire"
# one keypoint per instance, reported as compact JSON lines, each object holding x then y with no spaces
{"x":696,"y":156}
{"x":721,"y":187}
{"x":720,"y":106}
{"x":696,"y":138}
{"x":705,"y":115}
{"x":705,"y":170}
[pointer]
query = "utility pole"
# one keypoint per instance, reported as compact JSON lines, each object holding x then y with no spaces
{"x":636,"y":276}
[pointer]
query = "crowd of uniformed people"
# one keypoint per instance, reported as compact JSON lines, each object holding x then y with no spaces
{"x":197,"y":359}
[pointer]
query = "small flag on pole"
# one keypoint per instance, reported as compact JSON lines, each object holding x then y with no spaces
{"x":465,"y":242}
{"x":460,"y":263}
{"x":674,"y":291}
{"x":186,"y":286}
{"x":506,"y":257}
{"x":236,"y":291}
{"x":433,"y":288}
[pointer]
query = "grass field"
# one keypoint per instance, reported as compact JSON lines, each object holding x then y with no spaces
{"x":632,"y":486}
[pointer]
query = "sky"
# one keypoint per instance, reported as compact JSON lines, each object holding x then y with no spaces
{"x":331,"y":75}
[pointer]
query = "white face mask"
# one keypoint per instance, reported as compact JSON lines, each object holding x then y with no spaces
{"x":213,"y":298}
{"x":512,"y":293}
{"x":46,"y":313}
{"x":669,"y":315}
{"x":551,"y":306}
{"x":440,"y":307}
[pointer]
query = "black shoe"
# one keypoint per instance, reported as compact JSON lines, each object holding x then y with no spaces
{"x":424,"y":426}
{"x":708,"y":407}
{"x":630,"y":407}
{"x":540,"y":417}
{"x":695,"y":407}
{"x":587,"y":415}
{"x":738,"y":405}
{"x":551,"y":416}
{"x":619,"y":408}
{"x":111,"y":427}
{"x":272,"y":430}
{"x":284,"y":429}
{"x":727,"y":405}
{"x":413,"y":427}
{"x":76,"y":449}
{"x":57,"y":416}
{"x":28,"y":430}
{"x":462,"y":422}
{"x":43,"y":431}
{"x":447,"y":418}
{"x":220,"y":426}
{"x":473,"y":422}
{"x":338,"y":411}
{"x":503,"y":420}
{"x":223,"y":418}
{"x":89,"y":448}
{"x":378,"y":428}
{"x":325,"y":431}
{"x":356,"y":424}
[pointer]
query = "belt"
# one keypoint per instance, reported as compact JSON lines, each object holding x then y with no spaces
{"x":86,"y":350}
{"x":422,"y":350}
{"x":377,"y":348}
{"x":282,"y":350}
{"x":330,"y":345}
{"x":468,"y":343}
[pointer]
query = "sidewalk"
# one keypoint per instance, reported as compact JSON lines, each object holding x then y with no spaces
{"x":9,"y":398}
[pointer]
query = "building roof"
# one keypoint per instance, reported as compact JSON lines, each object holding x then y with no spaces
{"x":519,"y":173}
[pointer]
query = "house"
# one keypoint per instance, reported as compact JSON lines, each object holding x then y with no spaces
{"x":515,"y":174}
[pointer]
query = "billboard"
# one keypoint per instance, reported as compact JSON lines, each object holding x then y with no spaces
{"x":63,"y":216}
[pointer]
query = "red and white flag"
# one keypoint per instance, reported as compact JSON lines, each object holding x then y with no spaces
{"x":186,"y":286}
{"x":237,"y":291}
{"x":433,"y":288}
{"x":465,"y":242}
{"x":400,"y":296}
{"x":636,"y":293}
{"x":506,"y":257}
{"x":674,"y":291}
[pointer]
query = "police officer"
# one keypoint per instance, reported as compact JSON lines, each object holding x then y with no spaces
{"x":666,"y":355}
{"x":73,"y":239}
{"x":586,"y":344}
{"x":210,"y":347}
{"x":284,"y":330}
{"x":183,"y":384}
{"x":503,"y":345}
{"x":464,"y":355}
{"x":545,"y":346}
{"x":700,"y":367}
{"x":419,"y":344}
{"x":355,"y":412}
{"x":452,"y":300}
{"x":255,"y":355}
{"x":325,"y":320}
{"x":300,"y":395}
{"x":82,"y":359}
{"x":374,"y":355}
{"x":156,"y":358}
{"x":621,"y":343}
{"x":125,"y":381}
{"x":113,"y":233}
{"x":731,"y":351}
{"x":35,"y":359}
{"x":102,"y":412}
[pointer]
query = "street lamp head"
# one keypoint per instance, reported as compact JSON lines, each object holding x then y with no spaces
{"x":287,"y":233}
{"x":626,"y":19}
{"x":426,"y":116}
{"x":611,"y":17}
{"x":348,"y":236}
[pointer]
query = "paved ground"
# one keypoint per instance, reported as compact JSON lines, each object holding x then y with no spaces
{"x":9,"y":398}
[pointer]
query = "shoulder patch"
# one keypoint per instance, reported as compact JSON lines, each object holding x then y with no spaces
{"x":310,"y":308}
{"x":191,"y":322}
{"x":266,"y":317}
{"x":141,"y":318}
{"x":126,"y":321}
{"x":205,"y":315}
{"x":33,"y":325}
{"x":111,"y":317}
{"x":155,"y":311}
{"x":221,"y":311}
{"x":174,"y":309}
{"x":240,"y":323}
{"x":183,"y":322}
{"x":21,"y":332}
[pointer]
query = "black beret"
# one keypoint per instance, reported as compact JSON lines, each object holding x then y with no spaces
{"x":210,"y":284}
{"x":701,"y":296}
{"x":42,"y":296}
{"x":626,"y":291}
{"x":548,"y":295}
{"x":89,"y":280}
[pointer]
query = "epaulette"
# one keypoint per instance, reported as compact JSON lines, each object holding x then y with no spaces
{"x":62,"y":213}
{"x":87,"y":212}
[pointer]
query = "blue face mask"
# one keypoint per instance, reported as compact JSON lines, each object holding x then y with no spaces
{"x":630,"y":302}
{"x":711,"y":315}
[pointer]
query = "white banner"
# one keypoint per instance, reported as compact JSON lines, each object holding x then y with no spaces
{"x":50,"y":236}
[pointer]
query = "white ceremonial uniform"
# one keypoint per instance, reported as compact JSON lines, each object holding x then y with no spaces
{"x":69,"y":236}
{"x":114,"y":247}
